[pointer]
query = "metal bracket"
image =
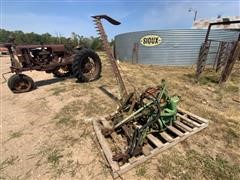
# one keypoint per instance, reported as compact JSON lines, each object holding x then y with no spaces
{"x":5,"y":80}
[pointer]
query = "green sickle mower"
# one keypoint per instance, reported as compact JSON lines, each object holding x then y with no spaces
{"x":149,"y":122}
{"x":139,"y":116}
{"x":151,"y":113}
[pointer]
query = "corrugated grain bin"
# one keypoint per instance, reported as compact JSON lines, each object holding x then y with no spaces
{"x":177,"y":47}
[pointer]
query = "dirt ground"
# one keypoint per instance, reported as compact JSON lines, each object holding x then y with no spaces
{"x":47,"y":133}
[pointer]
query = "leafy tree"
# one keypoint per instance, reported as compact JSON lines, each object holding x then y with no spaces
{"x":33,"y":38}
{"x":96,"y":43}
{"x":112,"y":42}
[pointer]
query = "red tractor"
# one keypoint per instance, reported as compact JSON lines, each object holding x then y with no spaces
{"x":84,"y":64}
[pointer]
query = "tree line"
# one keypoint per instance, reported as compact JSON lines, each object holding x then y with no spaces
{"x":94,"y":43}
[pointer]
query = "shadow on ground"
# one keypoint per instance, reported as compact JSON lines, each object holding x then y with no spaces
{"x":48,"y":81}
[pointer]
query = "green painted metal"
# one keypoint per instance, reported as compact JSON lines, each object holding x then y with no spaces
{"x":152,"y":112}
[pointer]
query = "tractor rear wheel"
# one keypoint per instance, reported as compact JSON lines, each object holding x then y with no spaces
{"x":20,"y":83}
{"x":86,"y":65}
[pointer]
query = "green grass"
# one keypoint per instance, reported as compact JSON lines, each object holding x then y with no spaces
{"x":71,"y":109}
{"x":8,"y":162}
{"x":208,"y":79}
{"x":141,"y":171}
{"x":220,"y":168}
{"x":14,"y":135}
{"x":56,"y":91}
{"x":55,"y":161}
{"x":67,"y":121}
{"x":66,"y":115}
{"x":62,"y":83}
{"x":70,"y":139}
{"x":93,"y":108}
{"x":231,"y":89}
{"x":70,"y":167}
{"x":235,"y":73}
{"x":194,"y":165}
{"x":54,"y":157}
{"x":226,"y":90}
{"x":47,"y":155}
{"x":231,"y":136}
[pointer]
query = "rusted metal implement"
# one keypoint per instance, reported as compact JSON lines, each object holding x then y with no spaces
{"x":143,"y":125}
{"x":84,"y":64}
{"x":227,"y":54}
{"x":186,"y":125}
{"x":228,"y":65}
{"x":107,"y":48}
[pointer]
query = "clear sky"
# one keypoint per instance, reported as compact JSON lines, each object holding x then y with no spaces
{"x":66,"y":16}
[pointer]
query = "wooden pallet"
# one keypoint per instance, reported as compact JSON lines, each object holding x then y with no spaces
{"x":186,"y":125}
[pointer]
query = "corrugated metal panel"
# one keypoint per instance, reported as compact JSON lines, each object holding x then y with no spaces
{"x":178,"y":47}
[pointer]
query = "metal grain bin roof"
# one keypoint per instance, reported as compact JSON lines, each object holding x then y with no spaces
{"x":178,"y":46}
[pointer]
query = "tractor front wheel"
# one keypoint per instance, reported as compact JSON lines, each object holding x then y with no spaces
{"x":20,"y":83}
{"x":86,"y":65}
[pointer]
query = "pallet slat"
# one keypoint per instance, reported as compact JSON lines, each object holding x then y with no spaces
{"x":156,"y":151}
{"x":175,"y":130}
{"x":105,"y":147}
{"x":114,"y":135}
{"x":132,"y":159}
{"x":167,"y":137}
{"x":185,"y":127}
{"x":193,"y":115}
{"x":188,"y":120}
{"x":159,"y":145}
{"x":155,"y":140}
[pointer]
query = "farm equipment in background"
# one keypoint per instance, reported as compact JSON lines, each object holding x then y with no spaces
{"x":144,"y":124}
{"x":227,"y":53}
{"x":84,"y":64}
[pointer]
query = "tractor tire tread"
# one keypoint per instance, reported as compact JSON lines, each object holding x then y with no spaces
{"x":79,"y":57}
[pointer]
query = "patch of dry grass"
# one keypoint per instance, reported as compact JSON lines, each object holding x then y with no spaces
{"x":9,"y":161}
{"x":14,"y":135}
{"x":56,"y":91}
{"x":205,"y":98}
{"x":193,"y":165}
{"x":210,"y":154}
{"x":141,"y":171}
{"x":66,"y":116}
{"x":209,"y":100}
{"x":55,"y":160}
